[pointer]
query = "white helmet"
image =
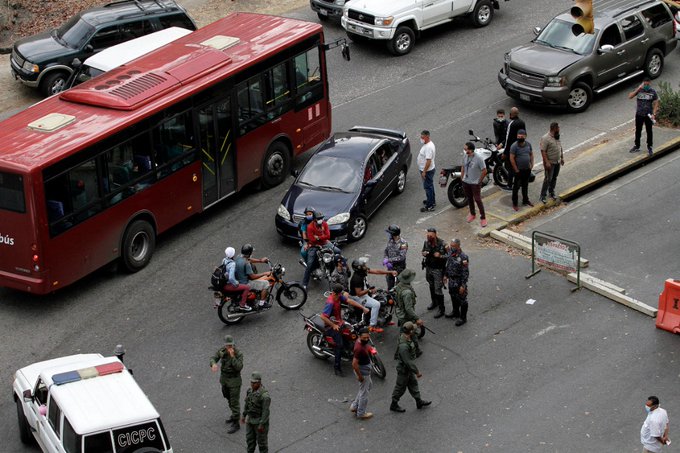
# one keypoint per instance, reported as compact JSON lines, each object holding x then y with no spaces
{"x":230,"y":252}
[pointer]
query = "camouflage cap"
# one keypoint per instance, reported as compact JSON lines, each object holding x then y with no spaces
{"x":406,"y":276}
{"x":256,"y":377}
{"x":408,"y":327}
{"x":229,"y":340}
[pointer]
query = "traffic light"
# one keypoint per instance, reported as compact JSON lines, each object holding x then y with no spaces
{"x":582,"y":11}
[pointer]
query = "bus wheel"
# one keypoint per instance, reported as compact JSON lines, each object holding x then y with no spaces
{"x":138,"y":245}
{"x":276,"y":165}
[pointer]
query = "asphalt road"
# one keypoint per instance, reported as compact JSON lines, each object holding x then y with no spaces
{"x":568,"y":373}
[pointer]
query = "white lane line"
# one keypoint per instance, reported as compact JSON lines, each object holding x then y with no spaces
{"x":428,"y":217}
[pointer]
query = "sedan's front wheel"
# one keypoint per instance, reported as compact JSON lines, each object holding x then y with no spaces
{"x":357,"y":228}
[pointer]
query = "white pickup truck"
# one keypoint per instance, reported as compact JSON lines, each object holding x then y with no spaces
{"x":400,"y":21}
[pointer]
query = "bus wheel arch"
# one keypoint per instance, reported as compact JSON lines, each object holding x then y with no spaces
{"x":138,"y":243}
{"x":276,"y":163}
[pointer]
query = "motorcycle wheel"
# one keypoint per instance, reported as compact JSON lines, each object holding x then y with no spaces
{"x":292,"y":296}
{"x":223,"y":311}
{"x":421,"y":334}
{"x":500,"y":176}
{"x":457,"y":195}
{"x":315,"y":339}
{"x":378,"y":366}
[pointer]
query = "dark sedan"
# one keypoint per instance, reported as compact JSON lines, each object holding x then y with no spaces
{"x":348,"y":179}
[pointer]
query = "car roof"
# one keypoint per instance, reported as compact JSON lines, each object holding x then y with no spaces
{"x":127,"y":51}
{"x":120,"y":10}
{"x":99,"y":402}
{"x":352,"y":145}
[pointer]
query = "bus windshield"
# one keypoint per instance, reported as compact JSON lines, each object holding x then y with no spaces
{"x":12,"y":192}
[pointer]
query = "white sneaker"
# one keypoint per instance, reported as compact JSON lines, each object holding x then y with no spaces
{"x":261,"y":303}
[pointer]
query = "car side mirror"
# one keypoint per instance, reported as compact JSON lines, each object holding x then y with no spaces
{"x":89,"y":48}
{"x":371,"y":184}
{"x":607,"y":48}
{"x":28,"y":395}
{"x":537,"y":30}
{"x":470,"y":132}
{"x":76,"y":63}
{"x":295,"y":172}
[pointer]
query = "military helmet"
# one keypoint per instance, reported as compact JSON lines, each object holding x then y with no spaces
{"x":255,"y":377}
{"x":228,"y":340}
{"x":394,"y":230}
{"x":247,"y":249}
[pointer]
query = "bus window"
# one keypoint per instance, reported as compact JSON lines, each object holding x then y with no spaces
{"x":129,"y":168}
{"x":12,"y":192}
{"x":174,"y":144}
{"x":98,"y":443}
{"x":250,"y":105}
{"x":70,"y":440}
{"x":278,"y":91}
{"x":308,"y":78}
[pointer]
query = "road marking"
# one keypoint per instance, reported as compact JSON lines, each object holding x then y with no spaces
{"x":428,"y":217}
{"x":548,"y":329}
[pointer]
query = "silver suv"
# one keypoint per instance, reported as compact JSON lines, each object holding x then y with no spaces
{"x":560,"y":68}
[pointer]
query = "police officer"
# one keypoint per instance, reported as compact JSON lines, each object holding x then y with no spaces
{"x":230,"y":378}
{"x":407,"y":371}
{"x":395,"y":253}
{"x":406,"y":303}
{"x":256,"y":415}
{"x":434,"y":261}
{"x":457,"y":273}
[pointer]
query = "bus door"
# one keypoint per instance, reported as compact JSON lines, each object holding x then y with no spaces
{"x":217,"y":143}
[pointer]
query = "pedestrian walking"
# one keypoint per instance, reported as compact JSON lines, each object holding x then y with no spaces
{"x":553,"y":160}
{"x":394,"y":258}
{"x":231,"y":364}
{"x":500,"y":128}
{"x":654,"y":431}
{"x":472,"y":172}
{"x":426,"y":168}
{"x":522,"y":160}
{"x":256,"y":415}
{"x":456,"y":277}
{"x":645,"y":113}
{"x":515,"y":125}
{"x":434,"y":262}
{"x":405,"y":304}
{"x":361,"y":364}
{"x":407,"y":371}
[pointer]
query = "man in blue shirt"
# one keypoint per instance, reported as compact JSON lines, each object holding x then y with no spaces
{"x":245,"y":274}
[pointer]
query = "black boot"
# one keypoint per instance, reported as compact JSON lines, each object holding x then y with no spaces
{"x":395,"y":407}
{"x":463,"y":313}
{"x":439,"y":299}
{"x":422,"y":403}
{"x":234,"y":427}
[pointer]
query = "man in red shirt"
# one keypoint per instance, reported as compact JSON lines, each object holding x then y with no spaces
{"x":318,"y":235}
{"x":362,"y":369}
{"x":332,"y":317}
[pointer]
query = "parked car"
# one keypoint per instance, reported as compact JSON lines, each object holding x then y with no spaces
{"x":560,"y":68}
{"x":44,"y":60}
{"x":85,"y":403}
{"x":348,"y":178}
{"x":122,"y":53}
{"x":328,"y":9}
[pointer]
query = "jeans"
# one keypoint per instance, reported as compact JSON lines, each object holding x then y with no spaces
{"x":428,"y":185}
{"x":639,"y":121}
{"x":473,"y":192}
{"x":521,"y":179}
{"x":337,"y":351}
{"x":549,"y":180}
{"x":373,"y":305}
{"x":361,"y":400}
{"x":311,"y":265}
{"x":244,"y":289}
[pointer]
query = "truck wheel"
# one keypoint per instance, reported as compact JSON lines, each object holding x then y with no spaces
{"x":654,"y":63}
{"x":580,"y":97}
{"x":24,"y":429}
{"x":482,"y":14}
{"x":139,"y":243}
{"x":276,"y":165}
{"x":53,"y":83}
{"x":402,"y":42}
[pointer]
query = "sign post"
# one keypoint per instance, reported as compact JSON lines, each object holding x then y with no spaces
{"x":556,"y":253}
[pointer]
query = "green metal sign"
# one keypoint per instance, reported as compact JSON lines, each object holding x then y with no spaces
{"x":556,"y":253}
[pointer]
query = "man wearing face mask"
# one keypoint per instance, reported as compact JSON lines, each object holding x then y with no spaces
{"x":654,"y":431}
{"x":500,"y":128}
{"x":645,"y":113}
{"x":426,"y":169}
{"x":302,"y":228}
{"x":514,"y":126}
{"x":434,"y":260}
{"x":553,"y":159}
{"x":394,"y":258}
{"x":472,"y":173}
{"x":318,"y":235}
{"x":361,"y":364}
{"x":522,"y":160}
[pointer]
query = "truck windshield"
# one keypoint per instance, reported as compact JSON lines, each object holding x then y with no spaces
{"x":12,"y":192}
{"x":74,"y":33}
{"x":558,"y":34}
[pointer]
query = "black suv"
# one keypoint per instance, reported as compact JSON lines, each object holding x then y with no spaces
{"x":44,"y":60}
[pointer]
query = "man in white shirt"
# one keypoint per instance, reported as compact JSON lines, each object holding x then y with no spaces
{"x":426,"y":168}
{"x":654,"y":432}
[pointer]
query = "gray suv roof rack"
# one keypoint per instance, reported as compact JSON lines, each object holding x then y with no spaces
{"x":633,"y":7}
{"x":136,"y":2}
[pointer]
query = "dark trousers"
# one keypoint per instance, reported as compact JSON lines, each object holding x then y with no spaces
{"x":435,"y":280}
{"x":639,"y":121}
{"x":255,"y":438}
{"x":549,"y":180}
{"x":392,"y":280}
{"x":232,"y":393}
{"x":311,"y":265}
{"x":428,"y":185}
{"x":511,"y":172}
{"x":337,"y":351}
{"x":406,"y":381}
{"x":459,"y":302}
{"x":473,"y":192}
{"x":521,"y":180}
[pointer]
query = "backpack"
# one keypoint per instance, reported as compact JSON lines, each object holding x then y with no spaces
{"x":218,"y":279}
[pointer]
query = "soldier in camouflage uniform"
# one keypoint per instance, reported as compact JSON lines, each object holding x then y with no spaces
{"x":256,"y":415}
{"x":457,"y":273}
{"x":230,"y":378}
{"x":407,"y":371}
{"x":395,"y":253}
{"x":434,"y":260}
{"x":406,"y":302}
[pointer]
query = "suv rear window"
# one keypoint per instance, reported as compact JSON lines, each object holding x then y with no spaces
{"x":656,"y":16}
{"x":144,"y":437}
{"x":632,"y":27}
{"x":12,"y":192}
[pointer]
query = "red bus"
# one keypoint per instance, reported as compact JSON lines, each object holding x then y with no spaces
{"x":95,"y":173}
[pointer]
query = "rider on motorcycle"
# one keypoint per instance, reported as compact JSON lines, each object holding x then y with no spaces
{"x":358,"y":288}
{"x":332,"y":317}
{"x":259,"y":283}
{"x":318,"y":235}
{"x":302,"y":227}
{"x":233,"y":285}
{"x":341,"y":273}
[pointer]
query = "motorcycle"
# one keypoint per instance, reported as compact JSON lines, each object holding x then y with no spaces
{"x":388,"y":301}
{"x":494,"y":167}
{"x":326,"y":262}
{"x":290,"y":296}
{"x":322,"y":346}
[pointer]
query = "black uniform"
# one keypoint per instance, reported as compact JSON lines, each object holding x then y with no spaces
{"x":514,"y":126}
{"x":434,"y":272}
{"x":457,"y":271}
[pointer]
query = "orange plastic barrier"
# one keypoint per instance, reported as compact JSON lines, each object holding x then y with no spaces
{"x":668,"y":317}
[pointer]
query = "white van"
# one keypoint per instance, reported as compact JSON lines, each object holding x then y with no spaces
{"x":120,"y":54}
{"x":86,"y":403}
